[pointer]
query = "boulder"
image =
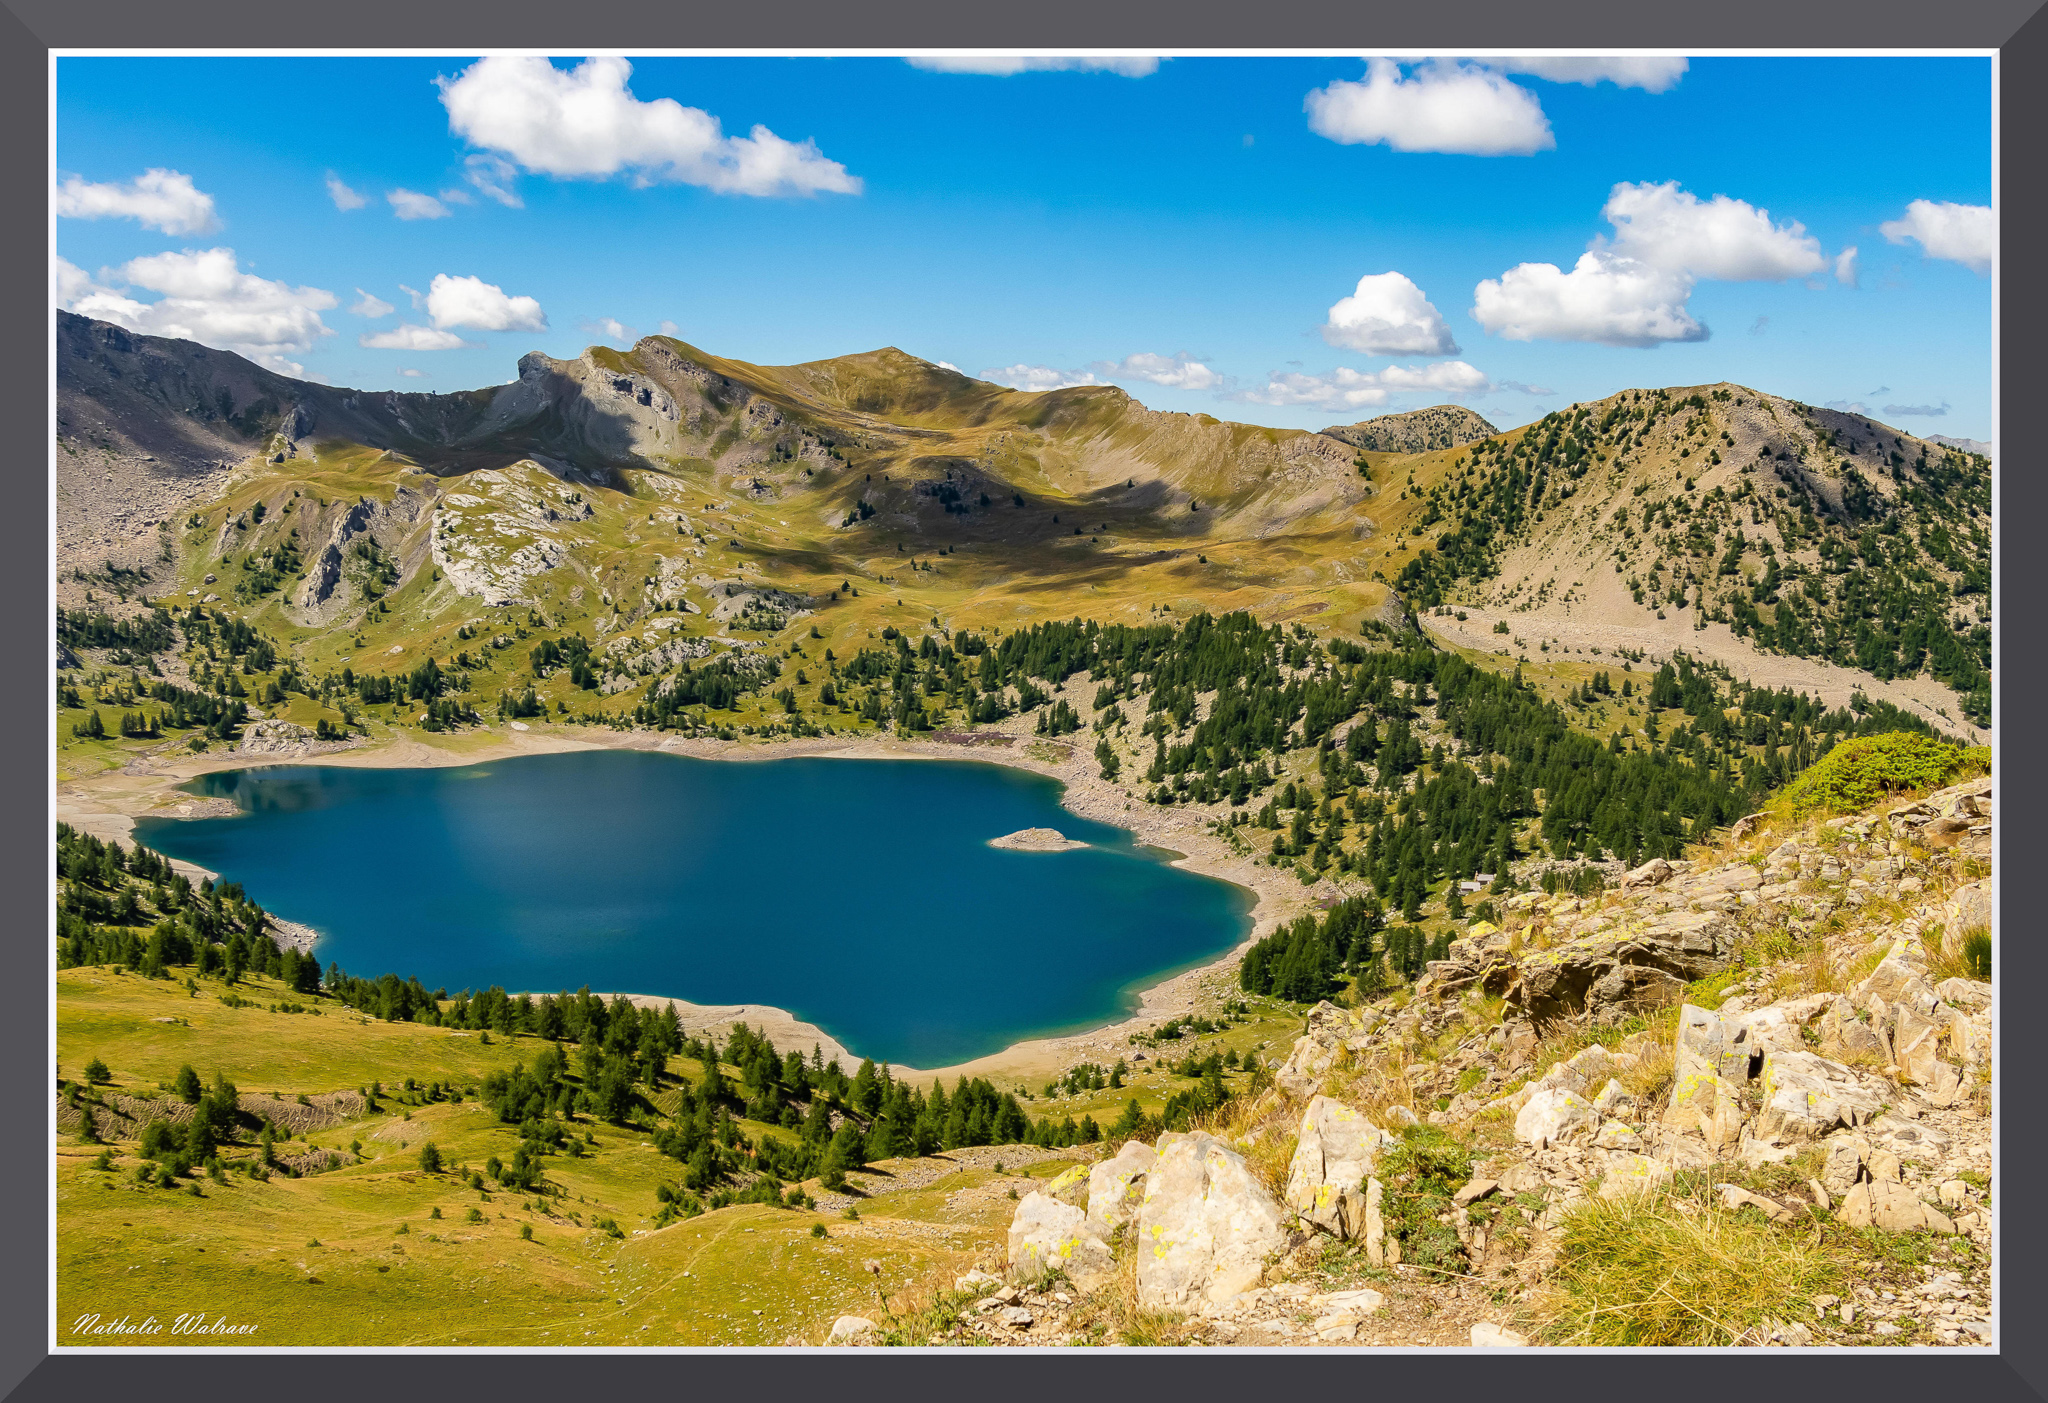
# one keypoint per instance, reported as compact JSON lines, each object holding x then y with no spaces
{"x":1048,"y":1235}
{"x":1893,"y":1207}
{"x":1487,"y":1335}
{"x":848,"y":1328}
{"x":1334,"y":1153}
{"x":1735,"y":1196}
{"x":1968,"y":908}
{"x":1710,"y":1045}
{"x":1704,"y":1102}
{"x":1071,"y":1186}
{"x":1556,"y":1116}
{"x":1206,"y":1227}
{"x":1117,"y":1186}
{"x":1968,"y":994}
{"x":1650,"y":874}
{"x":1805,"y":1096}
{"x":1916,"y":1043}
{"x":1843,"y":1168}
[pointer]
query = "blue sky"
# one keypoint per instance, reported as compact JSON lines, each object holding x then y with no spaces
{"x":1194,"y":229}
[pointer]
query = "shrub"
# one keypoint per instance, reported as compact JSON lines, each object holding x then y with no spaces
{"x":1421,"y":1172}
{"x":526,"y":1232}
{"x":430,"y":1158}
{"x":1857,"y":773}
{"x":96,"y":1072}
{"x":818,"y":1230}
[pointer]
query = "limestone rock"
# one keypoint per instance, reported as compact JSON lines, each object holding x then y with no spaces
{"x":1556,"y":1116}
{"x":1704,"y":1102}
{"x":1206,"y":1227}
{"x":1071,"y":1186}
{"x":1487,"y":1335}
{"x":1843,"y":1035}
{"x":1806,"y":1096}
{"x":1379,"y":1250}
{"x":1630,"y":1174}
{"x":1609,"y":973}
{"x":1117,"y":1186}
{"x":1735,"y":1196}
{"x":1892,"y":1207}
{"x":848,"y":1328}
{"x":1335,"y":1152}
{"x":1048,"y":1235}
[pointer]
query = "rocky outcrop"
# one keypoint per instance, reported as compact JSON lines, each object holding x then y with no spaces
{"x":1331,"y":1030}
{"x":1335,"y":1153}
{"x":1206,"y":1228}
{"x":1047,"y":1235}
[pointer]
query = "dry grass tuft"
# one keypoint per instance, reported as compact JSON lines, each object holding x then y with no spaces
{"x":1667,"y":1271}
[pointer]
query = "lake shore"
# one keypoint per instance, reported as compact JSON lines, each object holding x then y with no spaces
{"x":107,"y":804}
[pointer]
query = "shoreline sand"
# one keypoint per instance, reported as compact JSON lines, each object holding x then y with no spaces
{"x":107,"y":805}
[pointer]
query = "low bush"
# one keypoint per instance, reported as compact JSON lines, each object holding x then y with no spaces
{"x":1857,"y":773}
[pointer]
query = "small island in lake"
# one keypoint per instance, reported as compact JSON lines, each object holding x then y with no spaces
{"x":1037,"y":840}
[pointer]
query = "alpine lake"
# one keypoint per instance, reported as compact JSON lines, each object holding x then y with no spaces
{"x":859,"y":895}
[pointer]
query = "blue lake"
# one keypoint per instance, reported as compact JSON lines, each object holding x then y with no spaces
{"x":860,"y":895}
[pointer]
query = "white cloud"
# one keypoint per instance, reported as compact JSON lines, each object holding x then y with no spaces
{"x":1345,"y":388}
{"x":419,"y":301}
{"x":472,"y":302}
{"x":612,"y":329}
{"x":1962,"y":234}
{"x":1845,"y":266}
{"x":1179,"y":371}
{"x":948,"y":365}
{"x":669,"y":328}
{"x":1633,"y":289}
{"x":370,"y":305}
{"x":1038,"y":378}
{"x":493,"y":175}
{"x":411,"y":204}
{"x":343,"y":197}
{"x":409,"y":373}
{"x":1005,"y":65}
{"x":1455,"y":108}
{"x":156,"y":199}
{"x":204,"y":296}
{"x":1722,"y":238}
{"x":585,"y":122}
{"x":1847,"y":406}
{"x":1389,"y":316}
{"x":408,"y":337}
{"x":1651,"y":73}
{"x":1605,"y":298}
{"x":456,"y":197}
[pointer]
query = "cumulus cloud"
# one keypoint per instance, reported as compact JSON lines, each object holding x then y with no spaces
{"x":611,"y":329}
{"x":411,"y":204}
{"x":1460,"y":109}
{"x":343,"y":197}
{"x":1605,"y":298}
{"x":1633,"y":289}
{"x":948,"y":365}
{"x":1651,"y":73}
{"x":370,"y":305}
{"x":1004,"y":65}
{"x":1179,"y":371}
{"x":1929,"y":411}
{"x":1345,"y":388}
{"x":669,"y":328}
{"x":408,"y":337}
{"x":1722,"y":238}
{"x":482,"y":306}
{"x":1037,"y":378}
{"x":157,"y":199}
{"x":1845,"y":266}
{"x":585,"y":122}
{"x":1962,"y":234}
{"x":203,"y":296}
{"x":1389,"y":316}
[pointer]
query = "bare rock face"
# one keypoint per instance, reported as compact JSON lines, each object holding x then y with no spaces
{"x":1206,"y":1228}
{"x":1335,"y":1153}
{"x":1805,"y":1096}
{"x":1616,"y":972}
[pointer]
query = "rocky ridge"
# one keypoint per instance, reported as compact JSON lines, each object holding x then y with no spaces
{"x":1772,"y":1029}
